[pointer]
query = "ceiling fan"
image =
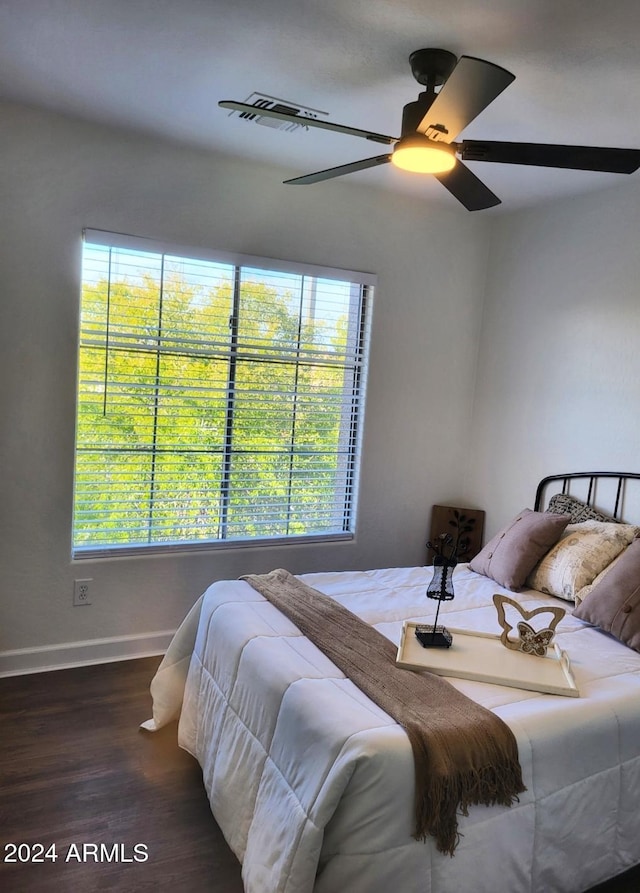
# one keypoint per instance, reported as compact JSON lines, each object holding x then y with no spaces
{"x":431,"y":124}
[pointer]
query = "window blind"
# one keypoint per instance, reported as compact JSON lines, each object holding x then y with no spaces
{"x":220,"y":399}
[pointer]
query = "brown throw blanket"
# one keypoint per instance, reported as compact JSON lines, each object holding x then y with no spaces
{"x":463,"y":753}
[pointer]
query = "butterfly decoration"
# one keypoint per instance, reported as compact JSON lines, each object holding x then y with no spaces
{"x":532,"y":642}
{"x":529,"y":641}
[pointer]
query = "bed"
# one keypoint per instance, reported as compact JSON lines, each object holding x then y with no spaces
{"x":312,"y":783}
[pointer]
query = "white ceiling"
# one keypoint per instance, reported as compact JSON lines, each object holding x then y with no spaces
{"x":161,"y":66}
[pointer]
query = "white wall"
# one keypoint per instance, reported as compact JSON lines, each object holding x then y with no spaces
{"x":57,"y":176}
{"x":559,"y":373}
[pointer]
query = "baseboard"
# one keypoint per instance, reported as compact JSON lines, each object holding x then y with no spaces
{"x":82,"y":654}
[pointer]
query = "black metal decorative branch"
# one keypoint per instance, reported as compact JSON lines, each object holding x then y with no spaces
{"x":448,"y":550}
{"x":459,"y":546}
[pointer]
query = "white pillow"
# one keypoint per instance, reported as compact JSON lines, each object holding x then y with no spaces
{"x":583,"y":551}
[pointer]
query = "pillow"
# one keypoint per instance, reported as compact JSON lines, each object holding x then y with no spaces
{"x":614,"y":604}
{"x":584,"y":592}
{"x":583,"y":551}
{"x":579,"y":511}
{"x":517,"y":548}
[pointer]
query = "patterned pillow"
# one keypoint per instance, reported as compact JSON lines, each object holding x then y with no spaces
{"x":564,"y":504}
{"x":614,"y":604}
{"x":581,"y":594}
{"x":583,"y":551}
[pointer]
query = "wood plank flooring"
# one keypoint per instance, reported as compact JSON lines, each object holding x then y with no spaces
{"x":75,"y":770}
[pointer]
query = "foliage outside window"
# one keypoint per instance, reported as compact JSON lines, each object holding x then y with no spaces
{"x":219,"y":399}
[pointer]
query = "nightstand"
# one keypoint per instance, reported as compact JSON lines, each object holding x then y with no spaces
{"x":442,"y":515}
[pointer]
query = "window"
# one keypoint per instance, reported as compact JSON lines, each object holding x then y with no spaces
{"x":220,"y":399}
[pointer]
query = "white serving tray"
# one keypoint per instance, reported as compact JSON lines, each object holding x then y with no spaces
{"x":483,"y":657}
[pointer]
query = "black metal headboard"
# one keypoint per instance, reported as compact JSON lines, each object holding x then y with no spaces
{"x":592,"y":477}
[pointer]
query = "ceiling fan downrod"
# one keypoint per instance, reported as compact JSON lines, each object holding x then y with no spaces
{"x":431,"y":68}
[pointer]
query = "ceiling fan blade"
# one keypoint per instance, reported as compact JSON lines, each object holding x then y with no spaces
{"x":471,"y":87}
{"x":332,"y":172}
{"x":258,"y":112}
{"x":467,"y":188}
{"x":579,"y":158}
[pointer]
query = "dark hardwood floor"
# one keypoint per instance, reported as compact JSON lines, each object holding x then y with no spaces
{"x":75,"y":770}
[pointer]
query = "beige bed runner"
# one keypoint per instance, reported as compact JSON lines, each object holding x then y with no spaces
{"x":463,"y":753}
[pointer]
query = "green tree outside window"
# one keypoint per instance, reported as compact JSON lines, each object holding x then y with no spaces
{"x":216,"y":401}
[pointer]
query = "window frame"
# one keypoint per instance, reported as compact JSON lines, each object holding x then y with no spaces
{"x":366,"y":282}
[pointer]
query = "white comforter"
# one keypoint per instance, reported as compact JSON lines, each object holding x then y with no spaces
{"x":312,"y":784}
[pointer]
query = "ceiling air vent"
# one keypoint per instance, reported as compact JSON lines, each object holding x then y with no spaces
{"x":261,"y":101}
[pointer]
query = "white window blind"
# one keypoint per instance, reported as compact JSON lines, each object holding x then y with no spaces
{"x":220,"y":399}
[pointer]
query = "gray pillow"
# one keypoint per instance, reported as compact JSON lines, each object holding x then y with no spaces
{"x":564,"y":504}
{"x":614,"y":603}
{"x":516,"y":549}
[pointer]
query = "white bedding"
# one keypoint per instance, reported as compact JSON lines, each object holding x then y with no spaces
{"x":312,"y":784}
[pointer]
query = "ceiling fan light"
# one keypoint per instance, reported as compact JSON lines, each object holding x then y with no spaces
{"x":419,"y":154}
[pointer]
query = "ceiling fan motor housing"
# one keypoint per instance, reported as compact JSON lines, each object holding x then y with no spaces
{"x":414,"y":112}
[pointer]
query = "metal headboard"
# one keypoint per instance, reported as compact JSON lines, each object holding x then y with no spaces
{"x":593,"y":477}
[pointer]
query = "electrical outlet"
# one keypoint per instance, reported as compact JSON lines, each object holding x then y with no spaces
{"x":82,"y":592}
